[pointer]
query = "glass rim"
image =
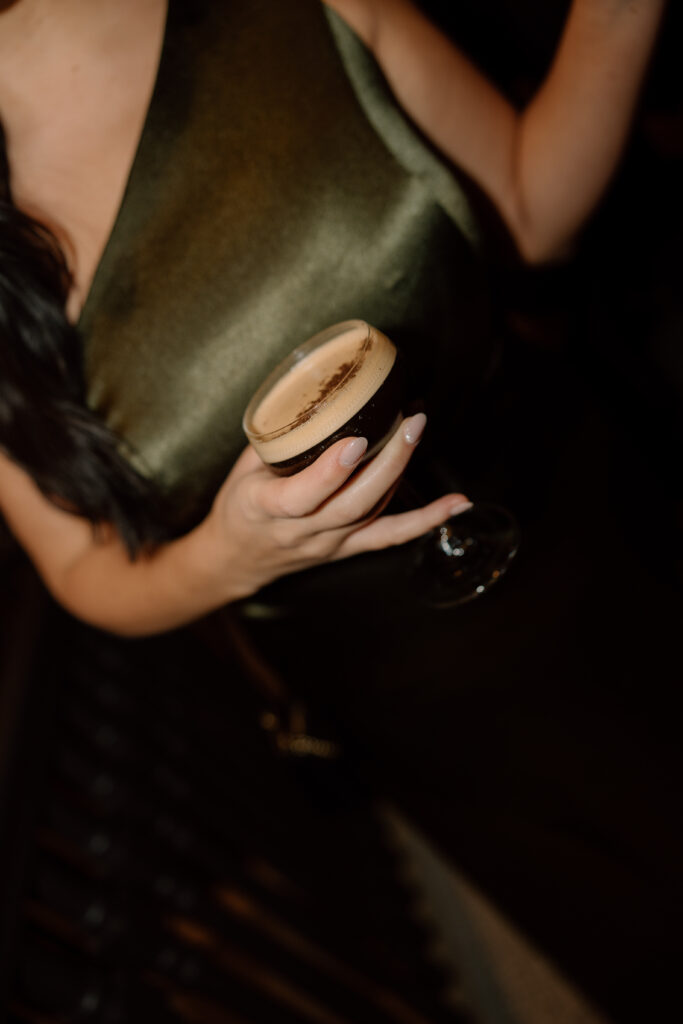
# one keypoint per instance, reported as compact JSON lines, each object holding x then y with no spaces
{"x":295,"y":357}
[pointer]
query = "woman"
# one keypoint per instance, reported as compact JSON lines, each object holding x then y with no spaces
{"x":76,"y":83}
{"x":224,"y":182}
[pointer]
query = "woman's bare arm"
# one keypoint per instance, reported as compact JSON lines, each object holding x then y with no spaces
{"x":544,"y":168}
{"x":95,"y":579}
{"x":260,"y":527}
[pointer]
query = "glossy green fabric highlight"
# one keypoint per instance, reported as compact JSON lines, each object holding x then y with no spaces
{"x":276,"y":189}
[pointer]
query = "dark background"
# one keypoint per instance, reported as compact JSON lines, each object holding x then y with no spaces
{"x":614,"y":309}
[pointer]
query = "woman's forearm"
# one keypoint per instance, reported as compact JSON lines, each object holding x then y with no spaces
{"x":260,"y":527}
{"x":91,"y":574}
{"x":178,"y":582}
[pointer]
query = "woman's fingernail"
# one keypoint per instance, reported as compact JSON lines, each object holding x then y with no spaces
{"x":413,"y":428}
{"x":460,"y":506}
{"x":353,"y":452}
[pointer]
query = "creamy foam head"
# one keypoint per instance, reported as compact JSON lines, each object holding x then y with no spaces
{"x":320,"y":391}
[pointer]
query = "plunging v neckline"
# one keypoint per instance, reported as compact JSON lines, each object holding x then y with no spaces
{"x":158,"y":76}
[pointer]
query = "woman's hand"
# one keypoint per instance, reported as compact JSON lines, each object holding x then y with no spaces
{"x":268,"y":526}
{"x":260,"y":527}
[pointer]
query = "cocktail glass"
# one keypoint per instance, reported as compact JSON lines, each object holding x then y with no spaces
{"x":348,"y":381}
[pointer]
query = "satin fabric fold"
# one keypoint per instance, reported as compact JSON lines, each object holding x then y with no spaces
{"x":276,"y":189}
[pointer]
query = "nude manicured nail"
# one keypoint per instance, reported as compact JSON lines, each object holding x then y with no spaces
{"x":460,"y":506}
{"x":413,"y":428}
{"x":353,"y":452}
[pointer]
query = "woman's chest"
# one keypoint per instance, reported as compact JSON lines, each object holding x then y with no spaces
{"x":73,"y":118}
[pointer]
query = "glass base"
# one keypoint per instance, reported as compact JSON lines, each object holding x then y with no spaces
{"x":462,"y":559}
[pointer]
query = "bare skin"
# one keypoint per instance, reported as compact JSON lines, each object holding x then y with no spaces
{"x":75,"y":83}
{"x":546,"y":167}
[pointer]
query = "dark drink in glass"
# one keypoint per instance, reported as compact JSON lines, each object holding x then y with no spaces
{"x":343,"y":382}
{"x":347,"y":381}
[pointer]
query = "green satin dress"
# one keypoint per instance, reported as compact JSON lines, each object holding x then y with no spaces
{"x":276,"y":189}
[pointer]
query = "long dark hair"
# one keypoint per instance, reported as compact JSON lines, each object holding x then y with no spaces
{"x":45,"y":424}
